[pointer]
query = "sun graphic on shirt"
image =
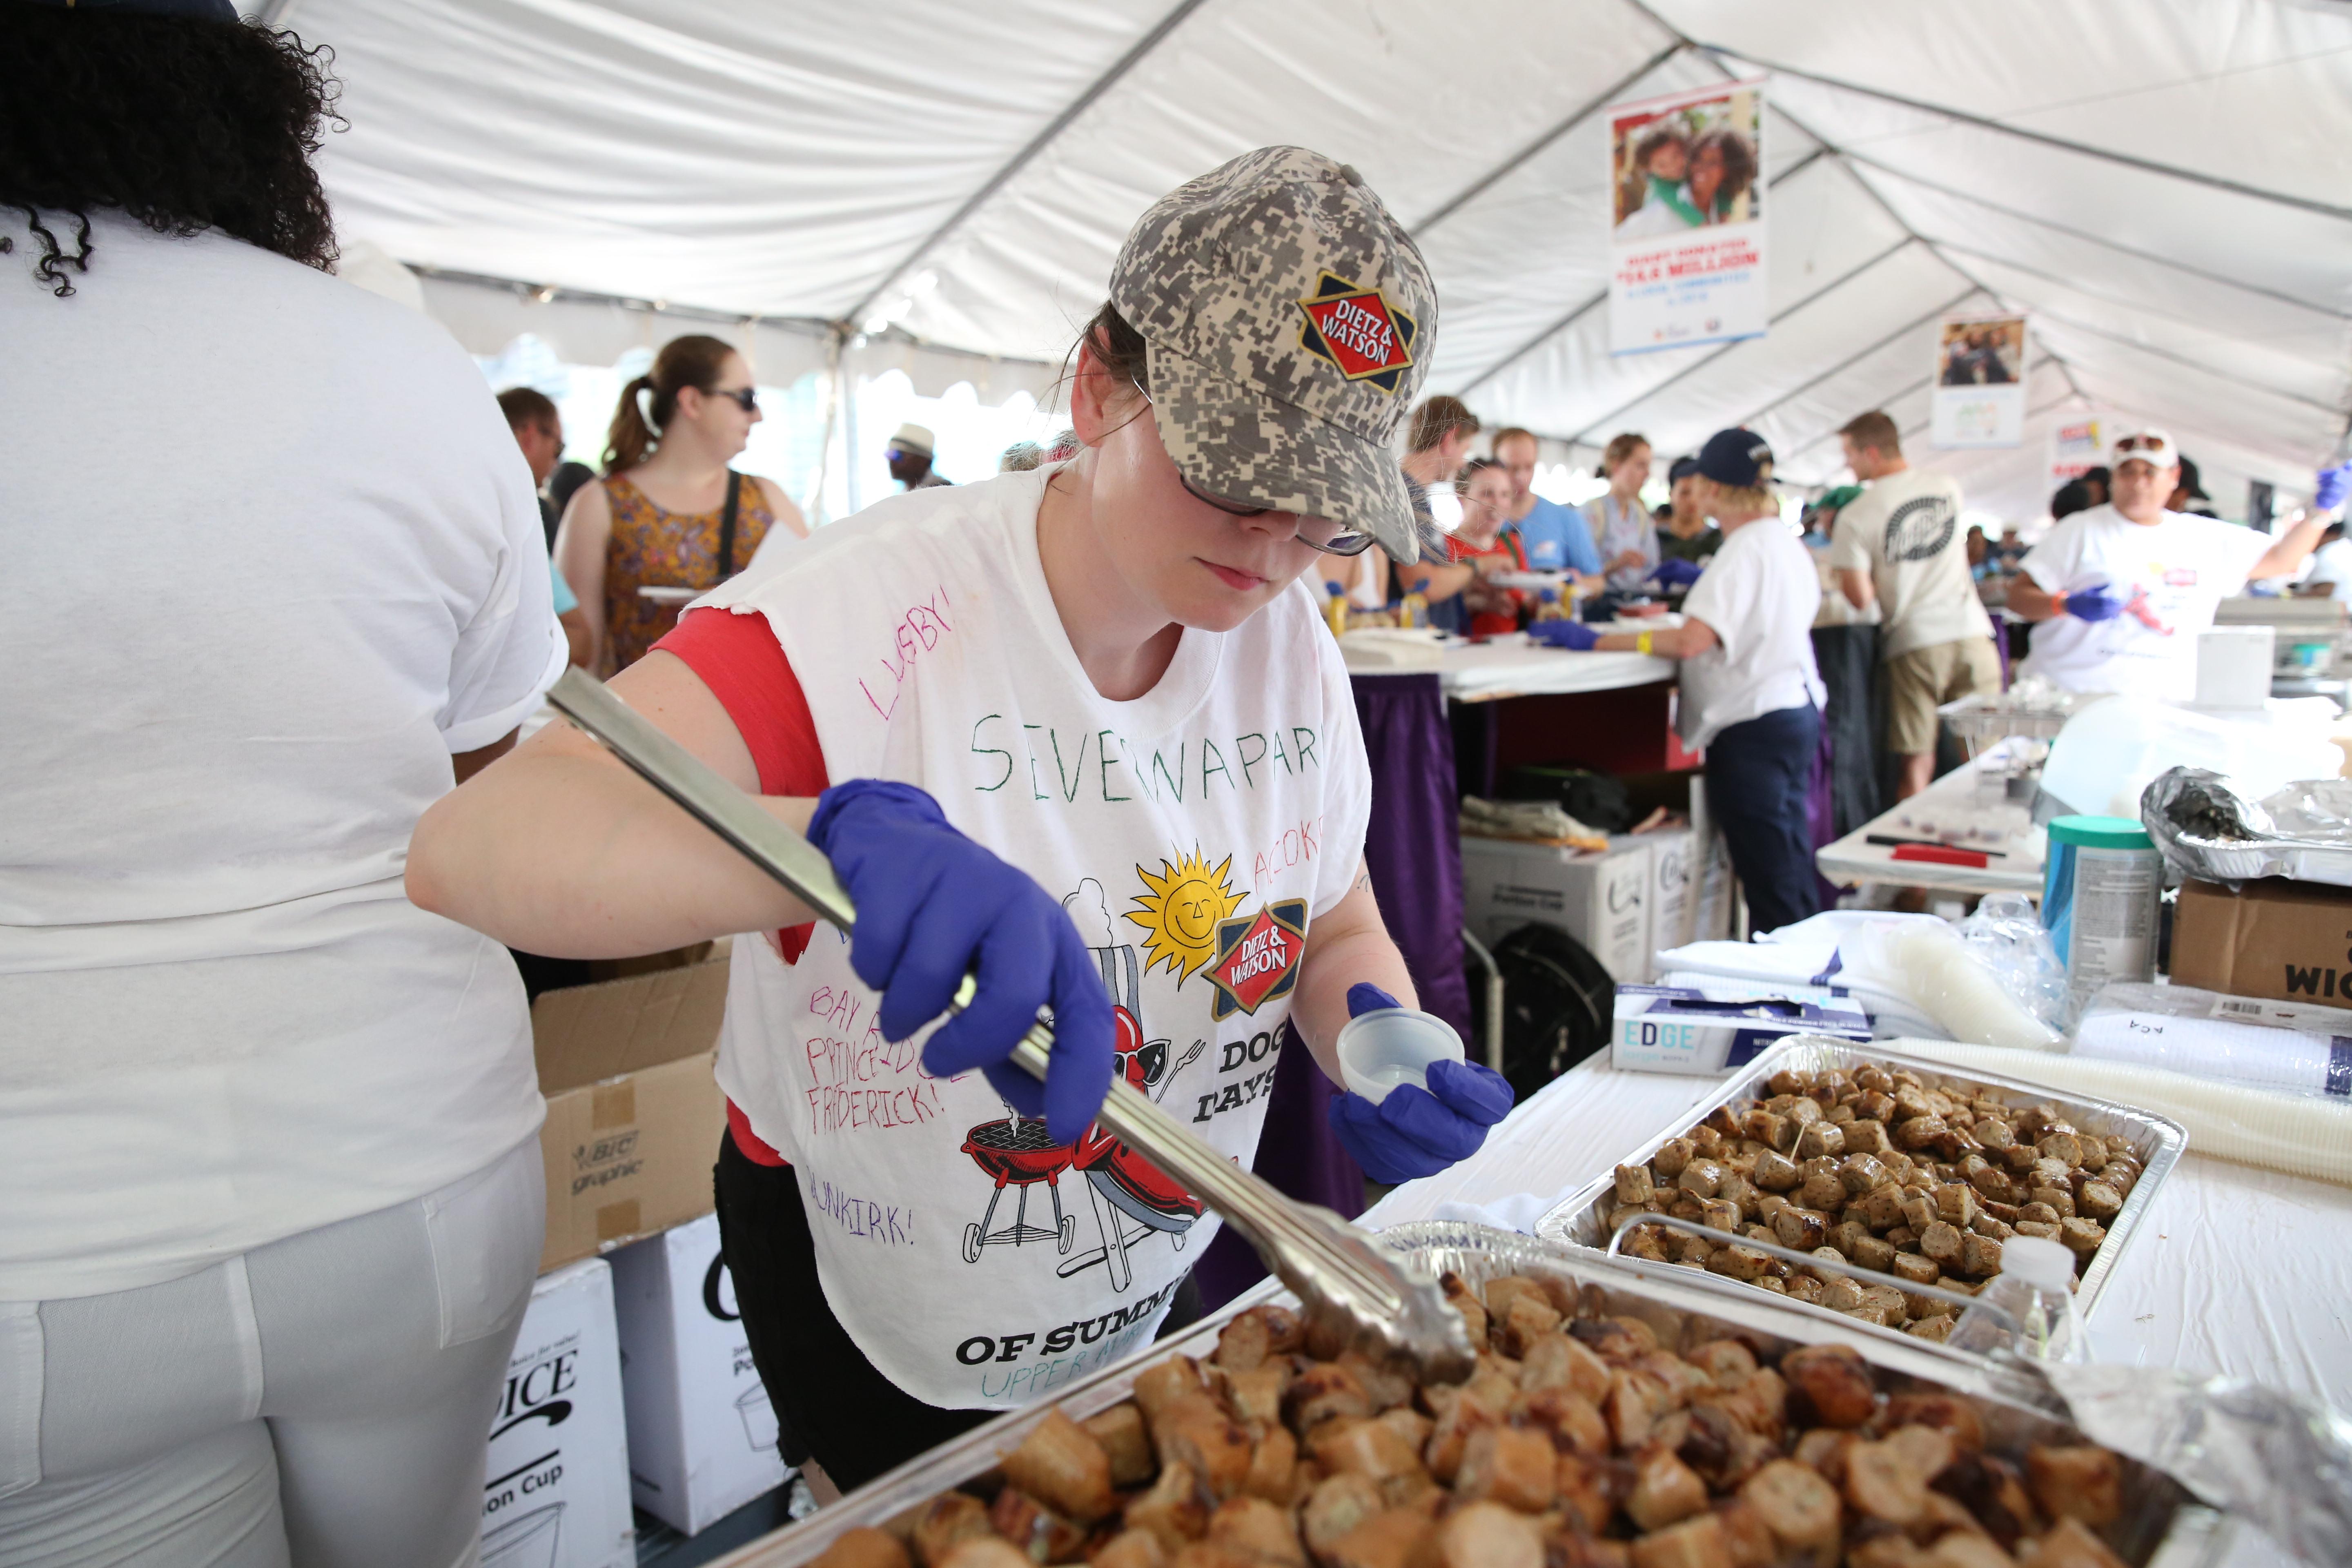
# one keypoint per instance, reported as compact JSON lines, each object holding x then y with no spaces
{"x":1182,"y":910}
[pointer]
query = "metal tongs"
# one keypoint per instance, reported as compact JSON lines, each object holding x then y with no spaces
{"x":1356,"y":1293}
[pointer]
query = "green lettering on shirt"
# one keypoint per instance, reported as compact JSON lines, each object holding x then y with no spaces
{"x":1175,"y":781}
{"x":1209,"y":749}
{"x":1035,"y":793}
{"x":1241,"y":751}
{"x":980,"y":751}
{"x":1069,"y":790}
{"x":1102,"y":752}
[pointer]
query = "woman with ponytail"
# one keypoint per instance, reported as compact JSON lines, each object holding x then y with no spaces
{"x":669,"y":512}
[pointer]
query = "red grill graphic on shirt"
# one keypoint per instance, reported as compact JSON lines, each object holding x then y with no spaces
{"x":1358,"y":331}
{"x":1257,"y":958}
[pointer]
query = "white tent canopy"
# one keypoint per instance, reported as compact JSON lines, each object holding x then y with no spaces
{"x":2165,"y":185}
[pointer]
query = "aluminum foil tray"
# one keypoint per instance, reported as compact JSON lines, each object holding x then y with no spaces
{"x":2162,"y":1525}
{"x":1582,"y":1218}
{"x":2209,"y":828}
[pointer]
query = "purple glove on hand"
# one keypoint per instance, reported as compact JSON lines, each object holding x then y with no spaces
{"x":1675,"y":573}
{"x":1416,"y":1132}
{"x":933,"y":905}
{"x":2096,"y":603}
{"x":2334,"y":484}
{"x":1574,"y":636}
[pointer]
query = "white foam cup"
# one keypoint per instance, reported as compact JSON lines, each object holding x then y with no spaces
{"x":1380,"y":1050}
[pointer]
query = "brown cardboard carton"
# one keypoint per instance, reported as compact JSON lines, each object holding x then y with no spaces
{"x":633,"y":1114}
{"x":2288,"y":940}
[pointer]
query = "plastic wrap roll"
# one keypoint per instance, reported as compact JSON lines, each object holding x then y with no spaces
{"x":2301,"y":1136}
{"x":1928,"y":962}
{"x":2266,"y":1045}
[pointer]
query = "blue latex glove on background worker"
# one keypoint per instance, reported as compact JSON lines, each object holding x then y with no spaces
{"x":1573,"y":636}
{"x":2099,"y":601}
{"x":1415,"y":1132}
{"x":931,"y":907}
{"x":2334,"y":484}
{"x":1676,"y":573}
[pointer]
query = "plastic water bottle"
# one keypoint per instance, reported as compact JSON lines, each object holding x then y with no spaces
{"x":1335,"y":608}
{"x":2035,"y":1286}
{"x":1549,"y":608}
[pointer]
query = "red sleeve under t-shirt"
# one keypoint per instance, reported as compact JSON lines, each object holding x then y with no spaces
{"x":739,"y":658}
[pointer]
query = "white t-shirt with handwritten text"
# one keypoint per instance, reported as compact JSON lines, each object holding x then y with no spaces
{"x":2184,"y":566}
{"x":1194,"y":834}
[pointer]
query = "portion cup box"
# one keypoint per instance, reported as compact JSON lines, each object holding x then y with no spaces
{"x":557,"y":1493}
{"x":2275,"y":938}
{"x":1582,"y":1219}
{"x":1690,"y":1029}
{"x":703,"y":1438}
{"x":1602,"y":898}
{"x":633,"y":1111}
{"x":2159,"y":1522}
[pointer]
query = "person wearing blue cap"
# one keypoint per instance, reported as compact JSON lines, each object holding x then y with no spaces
{"x":1752,"y":696}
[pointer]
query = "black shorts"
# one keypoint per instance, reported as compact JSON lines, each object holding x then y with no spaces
{"x":831,"y":1403}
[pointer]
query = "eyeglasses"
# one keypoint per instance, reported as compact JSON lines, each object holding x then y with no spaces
{"x":2141,"y":444}
{"x":1315,"y":532}
{"x":747,"y":398}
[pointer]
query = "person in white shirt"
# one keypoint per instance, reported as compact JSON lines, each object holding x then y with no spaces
{"x":277,"y":580}
{"x":1898,"y":544}
{"x":1081,"y":732}
{"x":2119,"y":592}
{"x":1751,"y":695}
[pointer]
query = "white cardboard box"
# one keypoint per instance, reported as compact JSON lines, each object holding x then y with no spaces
{"x":702,"y":1436}
{"x":1706,"y":915}
{"x":1599,"y":898}
{"x":1714,"y":1028}
{"x":1670,"y":911}
{"x":558,"y":1492}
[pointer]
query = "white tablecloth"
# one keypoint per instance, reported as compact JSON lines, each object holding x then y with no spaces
{"x":2234,"y":1270}
{"x":1483,"y":671}
{"x":1850,"y":859}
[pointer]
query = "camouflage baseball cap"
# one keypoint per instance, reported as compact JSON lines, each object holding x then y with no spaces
{"x":1288,"y":318}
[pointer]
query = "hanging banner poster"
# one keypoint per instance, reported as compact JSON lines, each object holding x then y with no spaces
{"x":1979,"y":396}
{"x":2076,"y":447}
{"x":1686,"y":220}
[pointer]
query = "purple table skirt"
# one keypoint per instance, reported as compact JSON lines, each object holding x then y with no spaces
{"x":1413,"y":850}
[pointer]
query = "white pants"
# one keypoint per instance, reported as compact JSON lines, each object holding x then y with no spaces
{"x":320,"y":1402}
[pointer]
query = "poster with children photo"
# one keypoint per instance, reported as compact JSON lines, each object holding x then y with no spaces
{"x":1689,"y":164}
{"x":1687,"y":218}
{"x":1979,"y":392}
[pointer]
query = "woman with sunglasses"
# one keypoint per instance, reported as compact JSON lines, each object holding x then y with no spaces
{"x":1078,"y":731}
{"x":669,"y":513}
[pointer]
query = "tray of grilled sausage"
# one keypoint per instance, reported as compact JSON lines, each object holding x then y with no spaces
{"x":1895,"y":1172}
{"x":1618,"y":1417}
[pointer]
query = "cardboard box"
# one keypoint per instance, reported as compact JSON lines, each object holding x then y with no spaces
{"x":1707,"y":916}
{"x":1670,"y":893}
{"x":1714,"y":1028}
{"x":1601,"y":898}
{"x":2288,"y":940}
{"x":634,"y":1113}
{"x":558,"y":1492}
{"x":702,"y":1436}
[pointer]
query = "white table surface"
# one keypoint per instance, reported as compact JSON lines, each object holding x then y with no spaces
{"x":2234,"y":1271}
{"x":1482,"y":672}
{"x":1850,"y":859}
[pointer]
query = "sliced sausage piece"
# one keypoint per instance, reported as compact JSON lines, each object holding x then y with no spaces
{"x":1063,"y":1468}
{"x":1255,"y":1530}
{"x":1172,"y":1510}
{"x":2070,"y":1545}
{"x":1801,"y":1509}
{"x":1835,"y":1380}
{"x":864,"y":1547}
{"x":1881,"y":1484}
{"x":2080,"y":1482}
{"x":1045,"y":1536}
{"x":1335,"y":1508}
{"x":985,"y":1551}
{"x":1693,"y":1544}
{"x":1486,"y":1533}
{"x":1664,"y":1490}
{"x":1518,"y":1467}
{"x":1389,"y":1540}
{"x":945,"y":1520}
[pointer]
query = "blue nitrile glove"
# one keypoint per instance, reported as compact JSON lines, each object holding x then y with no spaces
{"x":2334,"y":484}
{"x":931,"y":907}
{"x":1675,"y":573}
{"x":2096,"y":603}
{"x":1416,"y":1132}
{"x":1574,"y":636}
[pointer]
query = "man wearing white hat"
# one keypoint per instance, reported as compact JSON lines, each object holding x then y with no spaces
{"x":910,"y":459}
{"x":2120,"y":591}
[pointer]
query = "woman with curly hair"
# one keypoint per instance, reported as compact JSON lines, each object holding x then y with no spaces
{"x":276,"y":579}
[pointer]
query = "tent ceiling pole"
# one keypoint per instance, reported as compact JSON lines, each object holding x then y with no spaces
{"x":1864,"y":165}
{"x":1583,"y":112}
{"x":1600,"y":298}
{"x":1704,"y":360}
{"x":1855,"y":358}
{"x":2084,"y":149}
{"x":1037,"y":143}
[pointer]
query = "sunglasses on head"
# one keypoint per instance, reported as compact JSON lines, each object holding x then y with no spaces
{"x":747,"y":398}
{"x":1315,"y":532}
{"x":2140,"y":444}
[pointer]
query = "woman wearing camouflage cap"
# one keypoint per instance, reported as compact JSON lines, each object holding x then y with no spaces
{"x":1079,"y":730}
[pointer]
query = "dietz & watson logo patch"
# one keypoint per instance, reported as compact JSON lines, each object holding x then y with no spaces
{"x":1257,"y":958}
{"x":1358,"y":331}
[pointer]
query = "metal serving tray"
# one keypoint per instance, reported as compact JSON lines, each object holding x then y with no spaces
{"x":1582,"y":1218}
{"x":2162,"y":1525}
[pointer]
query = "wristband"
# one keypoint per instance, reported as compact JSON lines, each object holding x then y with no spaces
{"x":1641,"y":642}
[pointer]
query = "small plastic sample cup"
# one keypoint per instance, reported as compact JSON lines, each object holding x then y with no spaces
{"x":1381,"y":1050}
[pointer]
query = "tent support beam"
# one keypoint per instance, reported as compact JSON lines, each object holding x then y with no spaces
{"x":1945,"y":246}
{"x":1583,"y":112}
{"x":1600,"y":298}
{"x":2043,"y":138}
{"x":2188,"y":363}
{"x":1126,"y":62}
{"x":1704,"y":360}
{"x":1912,"y":325}
{"x":1861,"y":162}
